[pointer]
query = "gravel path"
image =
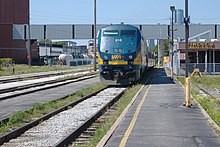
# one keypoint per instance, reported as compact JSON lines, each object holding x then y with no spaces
{"x":212,"y":91}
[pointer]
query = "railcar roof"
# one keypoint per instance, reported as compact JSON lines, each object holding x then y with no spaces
{"x":120,"y":26}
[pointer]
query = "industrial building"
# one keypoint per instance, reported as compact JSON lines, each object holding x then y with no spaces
{"x":14,"y":12}
{"x":49,"y":52}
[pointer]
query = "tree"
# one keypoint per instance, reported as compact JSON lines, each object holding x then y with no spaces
{"x":44,"y":40}
{"x":154,"y":50}
{"x":166,"y":47}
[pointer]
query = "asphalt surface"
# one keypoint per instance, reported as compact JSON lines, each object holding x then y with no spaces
{"x":23,"y":102}
{"x":163,"y":121}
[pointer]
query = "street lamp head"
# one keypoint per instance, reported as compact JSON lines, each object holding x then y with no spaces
{"x":172,"y":8}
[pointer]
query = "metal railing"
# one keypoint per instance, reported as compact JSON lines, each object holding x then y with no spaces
{"x":78,"y":62}
{"x":205,"y":69}
{"x":208,"y":69}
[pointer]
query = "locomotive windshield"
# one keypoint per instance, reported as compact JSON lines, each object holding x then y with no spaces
{"x":116,"y":33}
{"x":119,"y":41}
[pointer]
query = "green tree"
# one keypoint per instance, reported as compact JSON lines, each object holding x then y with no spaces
{"x":154,"y":50}
{"x":166,"y":47}
{"x":44,"y":40}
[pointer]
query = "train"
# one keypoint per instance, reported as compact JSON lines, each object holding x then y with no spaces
{"x":122,"y":54}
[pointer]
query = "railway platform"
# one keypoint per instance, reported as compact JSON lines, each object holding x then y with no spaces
{"x":158,"y":119}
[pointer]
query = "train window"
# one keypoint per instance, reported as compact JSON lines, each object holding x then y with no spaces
{"x":110,"y":33}
{"x":128,"y":32}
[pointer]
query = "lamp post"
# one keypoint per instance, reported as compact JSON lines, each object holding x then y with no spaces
{"x":172,"y":8}
{"x":186,"y":21}
{"x":94,"y":35}
{"x":187,"y":80}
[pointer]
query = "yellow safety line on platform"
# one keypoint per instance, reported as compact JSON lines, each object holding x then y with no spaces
{"x":133,"y":121}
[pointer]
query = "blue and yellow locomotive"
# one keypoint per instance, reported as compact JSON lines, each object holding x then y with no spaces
{"x":122,"y":54}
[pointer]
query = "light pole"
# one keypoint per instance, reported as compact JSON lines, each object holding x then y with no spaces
{"x":187,"y":80}
{"x":172,"y":8}
{"x":94,"y":35}
{"x":186,"y":21}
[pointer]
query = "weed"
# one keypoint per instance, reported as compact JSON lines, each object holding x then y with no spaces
{"x":69,"y":107}
{"x":121,"y":105}
{"x":1,"y":123}
{"x":17,"y":118}
{"x":209,"y":103}
{"x":38,"y":109}
{"x":38,"y":106}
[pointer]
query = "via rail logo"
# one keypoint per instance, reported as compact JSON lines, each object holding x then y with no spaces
{"x":117,"y":57}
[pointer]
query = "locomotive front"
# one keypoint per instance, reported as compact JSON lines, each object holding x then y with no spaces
{"x":119,"y":55}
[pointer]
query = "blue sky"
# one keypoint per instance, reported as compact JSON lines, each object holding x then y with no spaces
{"x":116,"y":11}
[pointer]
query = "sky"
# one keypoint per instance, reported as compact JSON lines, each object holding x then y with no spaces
{"x":116,"y":11}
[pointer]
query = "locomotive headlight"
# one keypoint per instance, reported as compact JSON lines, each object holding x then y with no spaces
{"x":130,"y":56}
{"x":105,"y":57}
{"x":130,"y":62}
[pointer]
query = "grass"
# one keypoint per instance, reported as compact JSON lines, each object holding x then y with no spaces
{"x":110,"y":120}
{"x":121,"y":105}
{"x":210,"y":103}
{"x":210,"y":82}
{"x":25,"y":69}
{"x":38,"y":109}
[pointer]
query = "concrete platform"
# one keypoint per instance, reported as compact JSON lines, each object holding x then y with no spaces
{"x":162,"y":121}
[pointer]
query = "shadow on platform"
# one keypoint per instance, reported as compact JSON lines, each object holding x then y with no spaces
{"x":160,"y":77}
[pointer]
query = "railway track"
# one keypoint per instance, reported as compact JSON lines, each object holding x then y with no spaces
{"x":62,"y":126}
{"x":209,"y":92}
{"x":16,"y":78}
{"x":26,"y":88}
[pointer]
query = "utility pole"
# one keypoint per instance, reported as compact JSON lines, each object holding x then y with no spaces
{"x":29,"y":46}
{"x":187,"y":80}
{"x":186,"y":20}
{"x":46,"y":52}
{"x":158,"y":52}
{"x":172,"y":8}
{"x":94,"y":35}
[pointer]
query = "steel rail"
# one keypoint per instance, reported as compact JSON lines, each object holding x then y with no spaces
{"x":17,"y":132}
{"x":73,"y":135}
{"x":6,"y":90}
{"x":43,"y":74}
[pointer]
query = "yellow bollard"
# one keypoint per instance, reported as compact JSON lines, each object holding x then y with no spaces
{"x":187,"y":92}
{"x":196,"y":70}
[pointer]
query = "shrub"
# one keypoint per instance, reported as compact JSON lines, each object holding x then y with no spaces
{"x":5,"y":62}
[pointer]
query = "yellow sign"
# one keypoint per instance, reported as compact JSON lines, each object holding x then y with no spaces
{"x":116,"y":57}
{"x":202,"y":45}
